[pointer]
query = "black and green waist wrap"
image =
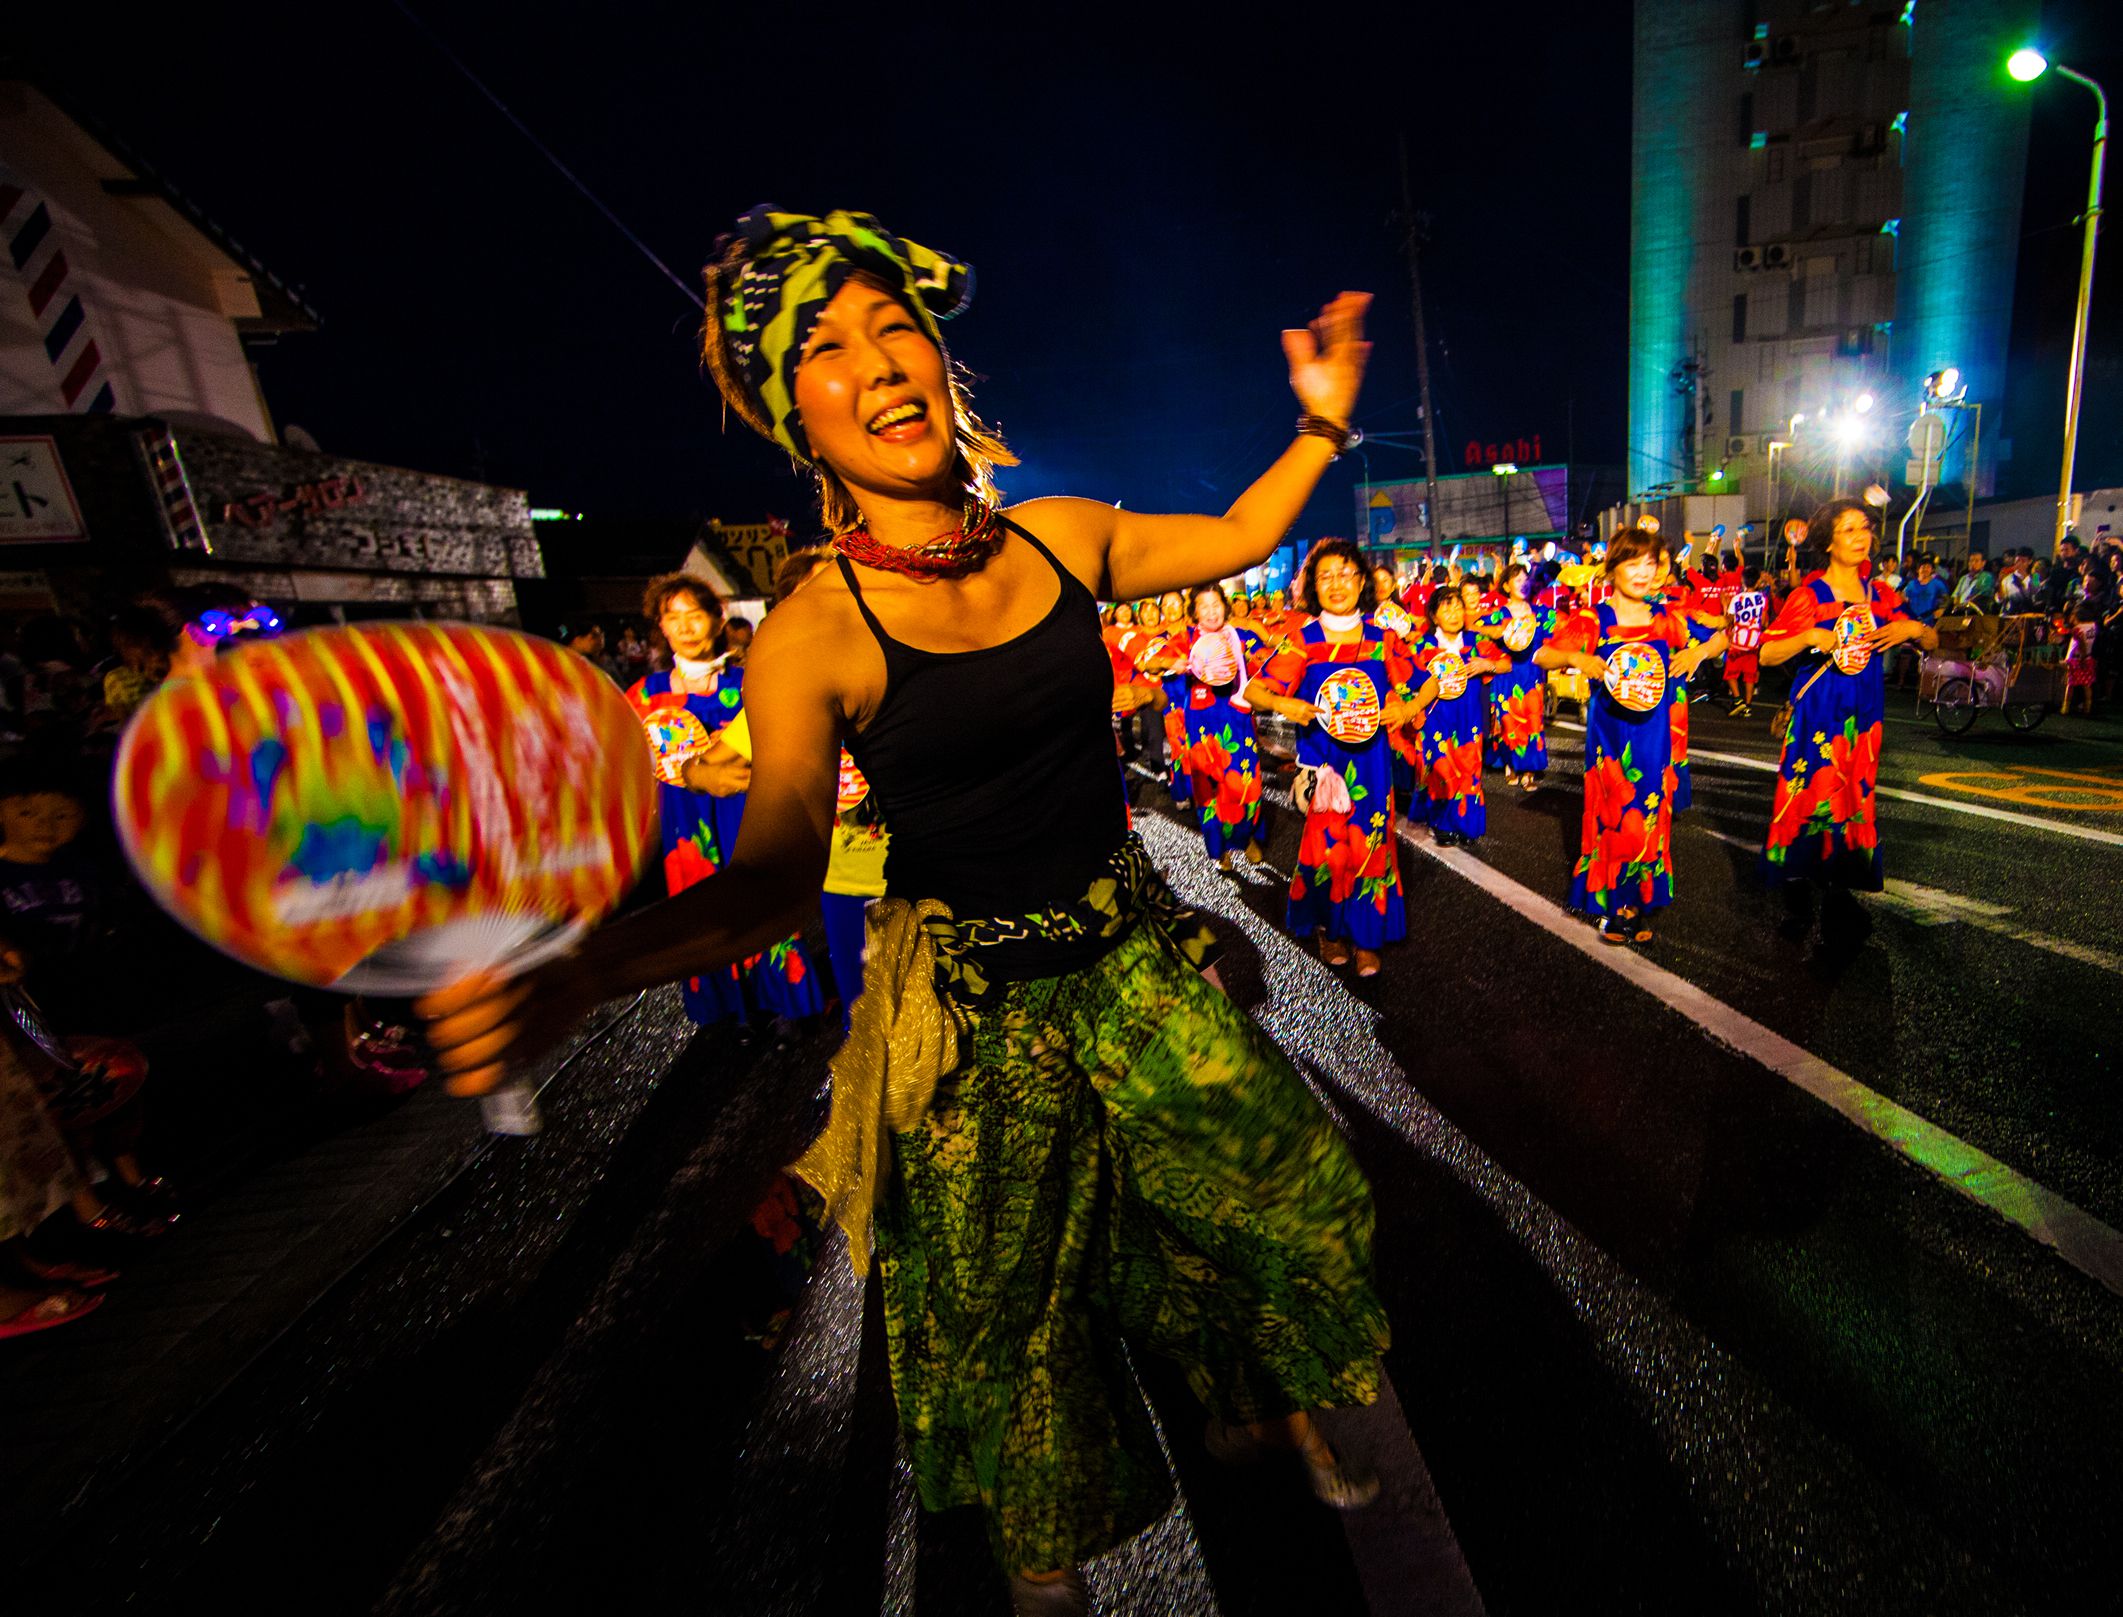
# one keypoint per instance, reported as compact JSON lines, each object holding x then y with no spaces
{"x":976,"y":957}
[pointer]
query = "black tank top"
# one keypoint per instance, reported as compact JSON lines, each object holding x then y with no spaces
{"x":995,"y":769}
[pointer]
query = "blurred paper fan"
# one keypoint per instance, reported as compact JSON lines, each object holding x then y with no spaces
{"x":388,"y":807}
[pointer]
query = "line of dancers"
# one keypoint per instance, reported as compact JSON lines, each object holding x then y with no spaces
{"x":1402,"y":695}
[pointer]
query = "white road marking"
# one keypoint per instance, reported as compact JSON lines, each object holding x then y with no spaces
{"x":1932,"y":906}
{"x":1941,"y":905}
{"x":2082,"y":1240}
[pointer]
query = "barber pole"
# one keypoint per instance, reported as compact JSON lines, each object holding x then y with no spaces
{"x":55,"y":303}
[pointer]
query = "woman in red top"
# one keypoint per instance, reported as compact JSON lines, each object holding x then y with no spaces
{"x":1838,"y":622}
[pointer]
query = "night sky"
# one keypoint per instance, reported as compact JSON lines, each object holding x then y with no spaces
{"x":1146,"y":206}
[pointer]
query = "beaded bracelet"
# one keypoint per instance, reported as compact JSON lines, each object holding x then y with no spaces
{"x":1319,"y":426}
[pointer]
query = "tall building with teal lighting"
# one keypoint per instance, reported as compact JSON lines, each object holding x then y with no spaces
{"x":1825,"y":210}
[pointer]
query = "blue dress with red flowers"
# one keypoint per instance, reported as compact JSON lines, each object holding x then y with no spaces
{"x":1347,"y":881}
{"x":699,"y":834}
{"x":1518,"y":701}
{"x":1625,"y":858}
{"x":1453,"y":727}
{"x":1822,"y":821}
{"x":1219,"y":754}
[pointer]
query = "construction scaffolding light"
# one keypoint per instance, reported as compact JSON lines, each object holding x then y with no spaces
{"x":1944,"y":384}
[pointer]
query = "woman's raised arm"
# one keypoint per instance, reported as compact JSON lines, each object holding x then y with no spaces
{"x":1126,"y":555}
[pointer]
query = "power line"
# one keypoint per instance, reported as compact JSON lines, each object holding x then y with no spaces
{"x":546,"y":151}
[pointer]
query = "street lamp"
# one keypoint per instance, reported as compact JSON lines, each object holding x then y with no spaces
{"x":1507,"y":470}
{"x":1777,"y":448}
{"x":1850,"y":436}
{"x":2027,"y":65}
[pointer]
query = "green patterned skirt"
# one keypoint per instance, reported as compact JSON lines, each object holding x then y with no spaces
{"x":1123,"y":1155}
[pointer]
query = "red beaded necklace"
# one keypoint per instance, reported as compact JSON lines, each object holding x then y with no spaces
{"x":948,"y":555}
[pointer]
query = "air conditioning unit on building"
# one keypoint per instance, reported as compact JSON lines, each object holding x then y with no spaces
{"x":1737,"y":446}
{"x":1777,"y":255}
{"x":1784,"y":51}
{"x":1747,"y":258}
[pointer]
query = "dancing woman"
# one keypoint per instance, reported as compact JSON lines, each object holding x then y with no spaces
{"x":701,"y":801}
{"x":1344,"y":683}
{"x":1453,"y":716}
{"x":1518,"y":697}
{"x":1838,"y":624}
{"x":1631,"y":649}
{"x":1219,"y":751}
{"x":1097,"y":1146}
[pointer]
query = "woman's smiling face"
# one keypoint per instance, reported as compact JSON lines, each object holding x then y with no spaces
{"x":1337,"y":584}
{"x":873,"y":395}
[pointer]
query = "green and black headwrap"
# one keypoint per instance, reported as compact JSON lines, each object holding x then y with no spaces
{"x":796,"y":263}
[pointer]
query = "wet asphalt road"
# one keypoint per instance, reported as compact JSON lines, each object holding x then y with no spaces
{"x":1669,"y":1334}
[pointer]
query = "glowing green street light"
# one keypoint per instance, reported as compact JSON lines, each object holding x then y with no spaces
{"x":2026,"y":65}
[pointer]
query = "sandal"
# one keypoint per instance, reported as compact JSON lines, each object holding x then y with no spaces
{"x":42,"y":1271}
{"x":1255,"y":853}
{"x":1337,"y":1483}
{"x":1367,"y":963}
{"x":1612,"y":929}
{"x":55,"y":1308}
{"x":143,"y":1226}
{"x":155,"y":1191}
{"x":1334,"y":1481}
{"x":1063,"y":1596}
{"x":1334,"y":953}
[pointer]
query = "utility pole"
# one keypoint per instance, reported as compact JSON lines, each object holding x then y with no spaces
{"x":1412,"y":244}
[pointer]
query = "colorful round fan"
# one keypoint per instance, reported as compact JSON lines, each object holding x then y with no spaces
{"x":853,"y":788}
{"x":1391,"y":615}
{"x":1348,"y":706}
{"x":1518,"y":633}
{"x":1853,"y":650}
{"x":1636,"y":676}
{"x":389,"y":807}
{"x":1449,"y":669}
{"x":676,"y":737}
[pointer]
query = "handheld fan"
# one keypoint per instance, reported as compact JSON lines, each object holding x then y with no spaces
{"x":387,"y":808}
